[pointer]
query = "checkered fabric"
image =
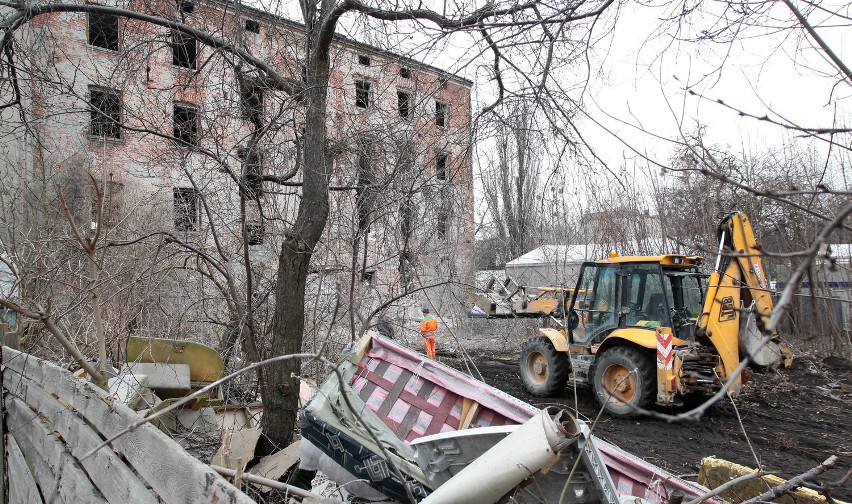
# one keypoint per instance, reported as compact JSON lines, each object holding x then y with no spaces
{"x":411,"y":405}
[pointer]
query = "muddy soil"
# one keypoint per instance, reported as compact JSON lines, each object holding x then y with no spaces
{"x":788,"y":422}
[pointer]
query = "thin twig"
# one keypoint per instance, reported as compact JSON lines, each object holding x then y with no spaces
{"x":260,"y":480}
{"x":794,"y":482}
{"x":725,"y":486}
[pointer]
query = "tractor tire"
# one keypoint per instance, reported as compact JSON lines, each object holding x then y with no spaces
{"x":612,"y":372}
{"x":544,"y":370}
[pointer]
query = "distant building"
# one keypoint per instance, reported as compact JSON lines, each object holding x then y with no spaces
{"x":166,"y":124}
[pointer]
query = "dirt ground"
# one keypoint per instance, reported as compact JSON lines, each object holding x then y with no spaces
{"x":792,"y":420}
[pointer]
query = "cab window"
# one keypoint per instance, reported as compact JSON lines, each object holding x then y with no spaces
{"x":645,"y":303}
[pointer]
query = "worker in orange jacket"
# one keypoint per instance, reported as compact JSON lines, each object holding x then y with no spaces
{"x":427,"y":329}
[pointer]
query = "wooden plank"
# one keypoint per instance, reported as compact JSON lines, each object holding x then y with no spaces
{"x":274,"y":466}
{"x":237,"y":449}
{"x":39,"y":468}
{"x":109,"y":473}
{"x":173,"y":474}
{"x":469,"y":411}
{"x":73,"y":483}
{"x":22,"y":485}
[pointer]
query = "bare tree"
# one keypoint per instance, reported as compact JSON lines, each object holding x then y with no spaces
{"x":498,"y":27}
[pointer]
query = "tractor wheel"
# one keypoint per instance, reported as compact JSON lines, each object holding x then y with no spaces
{"x":544,"y":371}
{"x":619,"y":390}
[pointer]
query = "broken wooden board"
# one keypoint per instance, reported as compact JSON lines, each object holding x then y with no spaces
{"x":232,"y":417}
{"x":74,"y":416}
{"x":715,"y":472}
{"x":237,"y":449}
{"x":276,"y":465}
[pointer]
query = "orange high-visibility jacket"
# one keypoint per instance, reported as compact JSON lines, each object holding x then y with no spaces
{"x":429,"y":324}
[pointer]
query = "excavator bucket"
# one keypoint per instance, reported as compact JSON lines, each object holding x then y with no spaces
{"x":760,"y":349}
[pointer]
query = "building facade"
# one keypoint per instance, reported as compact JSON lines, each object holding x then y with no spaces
{"x":195,"y":153}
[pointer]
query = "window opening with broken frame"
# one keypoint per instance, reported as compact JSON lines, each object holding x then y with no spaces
{"x":364,"y":60}
{"x":186,"y":209}
{"x":184,"y":50}
{"x":441,"y":111}
{"x":251,"y":101}
{"x":252,"y":26}
{"x":255,"y":233}
{"x":186,"y":6}
{"x":103,"y":30}
{"x":441,"y":226}
{"x":105,"y":111}
{"x":403,"y":100}
{"x":441,"y":165}
{"x":186,"y":124}
{"x":253,"y":169}
{"x":362,"y":94}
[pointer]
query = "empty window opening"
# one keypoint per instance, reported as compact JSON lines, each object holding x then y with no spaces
{"x":186,"y":208}
{"x":184,"y":50}
{"x":364,"y":59}
{"x":186,"y":6}
{"x":403,"y":100}
{"x":251,"y":102}
{"x":441,"y":118}
{"x":441,"y":165}
{"x":255,"y":233}
{"x":441,"y":225}
{"x":103,"y":30}
{"x":105,"y":110}
{"x":304,"y":73}
{"x":405,"y":73}
{"x":365,"y":185}
{"x":252,"y":26}
{"x":362,"y":94}
{"x":186,"y":124}
{"x":253,"y":170}
{"x":407,"y":158}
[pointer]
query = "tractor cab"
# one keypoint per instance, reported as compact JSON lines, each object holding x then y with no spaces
{"x":636,"y":291}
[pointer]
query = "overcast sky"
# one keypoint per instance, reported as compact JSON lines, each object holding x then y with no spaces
{"x":763,"y":74}
{"x":640,"y":76}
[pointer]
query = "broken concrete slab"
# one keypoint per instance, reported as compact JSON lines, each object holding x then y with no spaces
{"x":128,"y":388}
{"x":167,"y":380}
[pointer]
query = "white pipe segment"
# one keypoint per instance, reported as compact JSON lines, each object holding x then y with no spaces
{"x":533,"y":447}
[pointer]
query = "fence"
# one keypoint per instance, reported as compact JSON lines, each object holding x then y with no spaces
{"x":51,"y":419}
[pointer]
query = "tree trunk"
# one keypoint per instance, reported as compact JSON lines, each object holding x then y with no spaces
{"x":280,"y":391}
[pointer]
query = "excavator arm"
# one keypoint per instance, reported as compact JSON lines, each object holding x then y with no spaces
{"x":737,"y":283}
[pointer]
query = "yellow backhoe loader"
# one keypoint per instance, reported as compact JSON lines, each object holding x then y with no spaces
{"x":656,"y":329}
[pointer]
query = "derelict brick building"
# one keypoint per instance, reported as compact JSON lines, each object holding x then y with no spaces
{"x":175,"y":132}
